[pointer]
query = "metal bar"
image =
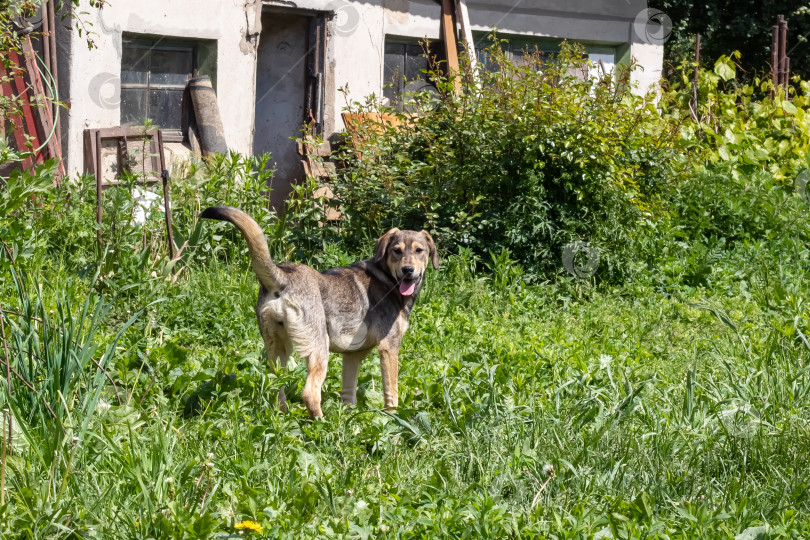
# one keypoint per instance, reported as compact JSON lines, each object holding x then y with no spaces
{"x":695,"y":80}
{"x":775,"y":55}
{"x":98,"y":189}
{"x":3,"y":464}
{"x":167,"y":206}
{"x":46,"y":40}
{"x":8,"y":378}
{"x":54,"y":68}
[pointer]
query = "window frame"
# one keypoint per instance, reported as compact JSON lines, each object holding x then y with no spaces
{"x":159,"y":43}
{"x":396,"y":102}
{"x":549,"y":47}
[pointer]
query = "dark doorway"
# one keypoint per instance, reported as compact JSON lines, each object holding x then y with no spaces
{"x":289,"y":93}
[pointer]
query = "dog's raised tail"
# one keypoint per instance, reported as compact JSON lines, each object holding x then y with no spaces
{"x":266,"y":270}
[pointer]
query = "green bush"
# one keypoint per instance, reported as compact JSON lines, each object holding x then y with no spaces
{"x":529,"y":160}
{"x":745,"y":127}
{"x":62,"y":222}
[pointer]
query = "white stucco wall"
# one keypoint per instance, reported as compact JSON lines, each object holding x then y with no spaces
{"x":355,"y":48}
{"x":93,"y":85}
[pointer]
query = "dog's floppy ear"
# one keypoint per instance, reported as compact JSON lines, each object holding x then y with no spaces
{"x":434,"y":255}
{"x":382,"y":245}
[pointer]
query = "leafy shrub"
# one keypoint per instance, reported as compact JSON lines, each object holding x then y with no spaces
{"x":758,"y":207}
{"x":531,"y":159}
{"x":746,"y":127}
{"x":22,"y":197}
{"x":136,"y":250}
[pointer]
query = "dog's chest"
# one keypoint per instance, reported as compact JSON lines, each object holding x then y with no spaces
{"x":347,"y":337}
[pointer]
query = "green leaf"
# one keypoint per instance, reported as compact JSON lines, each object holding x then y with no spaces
{"x":725,"y":68}
{"x":789,"y":107}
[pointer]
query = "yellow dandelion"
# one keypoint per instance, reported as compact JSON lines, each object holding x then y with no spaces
{"x":248,"y":525}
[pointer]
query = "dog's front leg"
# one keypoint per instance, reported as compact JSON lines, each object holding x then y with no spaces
{"x":351,"y":366}
{"x":317,"y":362}
{"x":389,"y":367}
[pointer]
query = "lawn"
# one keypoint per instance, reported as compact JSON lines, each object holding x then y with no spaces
{"x":551,"y":410}
{"x":663,"y":394}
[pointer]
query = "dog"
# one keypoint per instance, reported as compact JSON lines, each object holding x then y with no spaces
{"x":349,"y":310}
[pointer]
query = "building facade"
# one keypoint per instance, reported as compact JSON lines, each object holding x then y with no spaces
{"x":277,"y":64}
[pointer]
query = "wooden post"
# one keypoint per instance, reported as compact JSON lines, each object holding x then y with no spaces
{"x":695,"y":80}
{"x":466,"y":30}
{"x":782,"y":47}
{"x":448,"y":35}
{"x":167,"y":207}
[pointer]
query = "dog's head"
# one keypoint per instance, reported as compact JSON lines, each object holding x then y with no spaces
{"x":406,"y":255}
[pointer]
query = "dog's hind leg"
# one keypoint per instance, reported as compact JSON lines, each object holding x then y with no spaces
{"x":277,"y":350}
{"x":317,"y":362}
{"x":351,"y":365}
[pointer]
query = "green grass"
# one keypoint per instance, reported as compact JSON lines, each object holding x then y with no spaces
{"x":664,"y":414}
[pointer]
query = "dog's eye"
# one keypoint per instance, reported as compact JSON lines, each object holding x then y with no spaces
{"x":419,"y":250}
{"x":398,"y":251}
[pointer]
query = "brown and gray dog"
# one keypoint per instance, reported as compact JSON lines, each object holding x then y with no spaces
{"x":347,"y":310}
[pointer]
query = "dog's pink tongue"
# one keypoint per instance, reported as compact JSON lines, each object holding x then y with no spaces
{"x":406,"y":288}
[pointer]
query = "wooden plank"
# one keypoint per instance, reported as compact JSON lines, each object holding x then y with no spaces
{"x":16,"y":123}
{"x":43,"y":110}
{"x":90,"y":151}
{"x":448,"y":36}
{"x":466,"y":31}
{"x":125,"y":131}
{"x":25,"y":104}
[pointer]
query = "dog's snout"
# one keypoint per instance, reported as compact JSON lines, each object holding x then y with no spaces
{"x":408,"y":270}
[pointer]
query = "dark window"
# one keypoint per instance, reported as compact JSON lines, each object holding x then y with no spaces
{"x":154,"y":74}
{"x":404,"y":71}
{"x":518,"y":50}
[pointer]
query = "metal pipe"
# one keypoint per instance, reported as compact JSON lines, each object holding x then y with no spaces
{"x":695,"y":80}
{"x":775,"y":55}
{"x":167,"y":207}
{"x":46,"y":38}
{"x":782,"y":47}
{"x":51,"y":16}
{"x":97,"y":157}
